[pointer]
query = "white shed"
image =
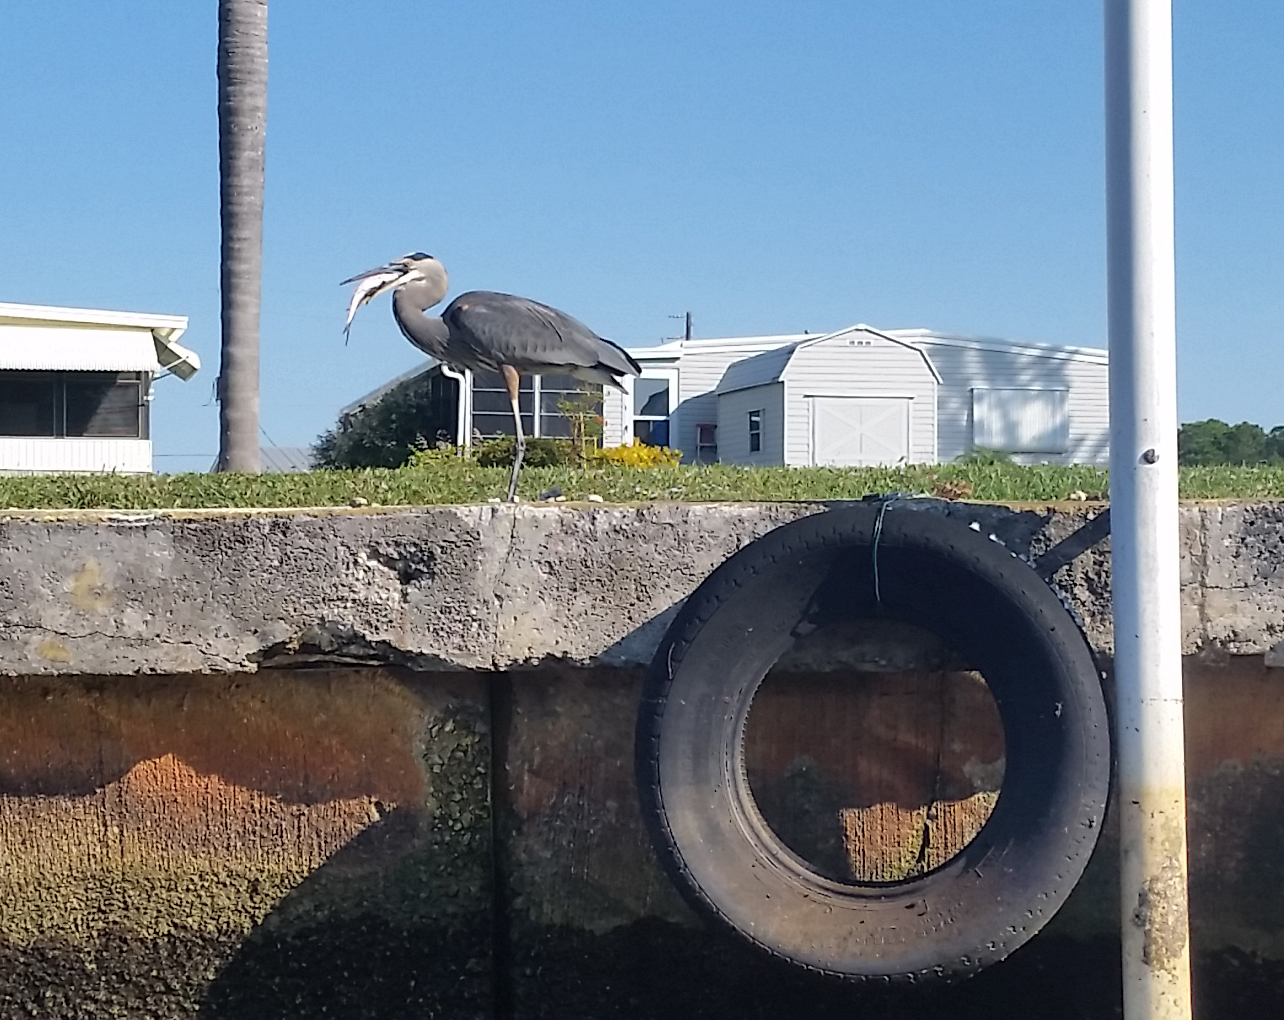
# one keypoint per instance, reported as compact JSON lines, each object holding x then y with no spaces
{"x":863,"y":396}
{"x":76,"y":384}
{"x":855,"y":398}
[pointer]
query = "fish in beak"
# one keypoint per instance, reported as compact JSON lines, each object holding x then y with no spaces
{"x":371,"y":284}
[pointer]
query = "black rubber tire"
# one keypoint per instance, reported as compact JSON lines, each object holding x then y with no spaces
{"x":990,"y":606}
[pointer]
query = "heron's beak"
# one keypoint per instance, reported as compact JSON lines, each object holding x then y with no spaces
{"x":371,"y":284}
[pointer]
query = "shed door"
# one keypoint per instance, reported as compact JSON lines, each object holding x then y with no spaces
{"x":860,"y":431}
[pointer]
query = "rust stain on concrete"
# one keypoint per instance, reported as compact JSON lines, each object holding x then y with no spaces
{"x":888,"y":843}
{"x":89,"y":591}
{"x":199,"y":804}
{"x":53,"y":651}
{"x":875,"y":776}
{"x":305,"y":737}
{"x":162,"y":845}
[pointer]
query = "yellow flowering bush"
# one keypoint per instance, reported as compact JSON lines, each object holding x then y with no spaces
{"x":638,"y":455}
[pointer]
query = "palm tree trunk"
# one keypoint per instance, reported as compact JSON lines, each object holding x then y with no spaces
{"x":242,"y":126}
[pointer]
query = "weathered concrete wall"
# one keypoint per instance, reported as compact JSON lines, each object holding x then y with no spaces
{"x":493,"y":587}
{"x":188,"y":829}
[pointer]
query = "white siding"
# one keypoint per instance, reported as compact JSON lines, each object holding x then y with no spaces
{"x":733,"y":425}
{"x":859,"y":364}
{"x":613,"y":405}
{"x":700,"y":366}
{"x":699,"y":373}
{"x":964,"y":368}
{"x":42,"y":456}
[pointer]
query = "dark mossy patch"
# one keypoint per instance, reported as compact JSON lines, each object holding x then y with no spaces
{"x":361,"y":969}
{"x":655,"y":970}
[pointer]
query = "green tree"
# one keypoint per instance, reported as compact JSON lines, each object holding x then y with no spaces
{"x":386,"y":432}
{"x":1214,"y":442}
{"x":242,"y":126}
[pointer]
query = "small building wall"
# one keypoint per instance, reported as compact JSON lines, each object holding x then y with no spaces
{"x":699,"y":372}
{"x":964,"y":367}
{"x":941,"y":420}
{"x":733,"y":425}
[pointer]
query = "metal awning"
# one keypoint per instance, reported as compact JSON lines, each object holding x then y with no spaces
{"x":63,"y":349}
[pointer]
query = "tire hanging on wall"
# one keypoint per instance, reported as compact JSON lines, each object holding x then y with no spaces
{"x":875,"y":560}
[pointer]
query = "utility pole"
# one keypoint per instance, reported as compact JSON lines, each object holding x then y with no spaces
{"x":1149,"y":707}
{"x":687,"y":336}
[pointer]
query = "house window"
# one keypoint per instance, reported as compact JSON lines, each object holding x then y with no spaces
{"x":755,"y":431}
{"x":109,"y":405}
{"x":28,"y":404}
{"x":706,"y":444}
{"x":102,"y":405}
{"x":651,"y":405}
{"x":1021,"y":420}
{"x":493,"y":411}
{"x":565,"y":401}
{"x":559,"y":399}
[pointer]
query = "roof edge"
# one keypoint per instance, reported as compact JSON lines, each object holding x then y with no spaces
{"x":92,"y":316}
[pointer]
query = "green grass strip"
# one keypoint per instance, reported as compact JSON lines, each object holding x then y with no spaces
{"x":464,"y":482}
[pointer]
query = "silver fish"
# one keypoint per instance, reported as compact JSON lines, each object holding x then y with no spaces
{"x":367,"y":287}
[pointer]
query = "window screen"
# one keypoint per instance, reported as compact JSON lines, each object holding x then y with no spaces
{"x":755,"y":431}
{"x":651,"y":411}
{"x":492,"y":412}
{"x":706,"y":443}
{"x":651,"y":398}
{"x":562,"y":398}
{"x":1021,"y":420}
{"x":104,"y":405}
{"x":27,"y":404}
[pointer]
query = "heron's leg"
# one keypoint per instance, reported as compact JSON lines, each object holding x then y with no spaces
{"x":512,"y":380}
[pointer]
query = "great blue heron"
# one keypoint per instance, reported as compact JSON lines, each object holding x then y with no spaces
{"x":485,"y":331}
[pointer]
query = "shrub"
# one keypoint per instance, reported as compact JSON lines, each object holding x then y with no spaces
{"x":431,"y":456}
{"x":540,"y":452}
{"x":639,"y":455}
{"x":984,"y":456}
{"x":383,"y":433}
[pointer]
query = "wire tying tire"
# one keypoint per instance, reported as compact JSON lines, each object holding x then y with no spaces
{"x":923,"y":568}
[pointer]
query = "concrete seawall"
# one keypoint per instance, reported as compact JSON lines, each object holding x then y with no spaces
{"x":379,"y":764}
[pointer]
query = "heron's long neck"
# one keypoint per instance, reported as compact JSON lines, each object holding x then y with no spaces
{"x":427,"y":332}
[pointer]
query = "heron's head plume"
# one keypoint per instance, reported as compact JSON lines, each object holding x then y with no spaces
{"x":418,"y":271}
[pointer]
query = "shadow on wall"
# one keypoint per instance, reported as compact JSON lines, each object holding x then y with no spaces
{"x":1088,"y":441}
{"x":302,"y":844}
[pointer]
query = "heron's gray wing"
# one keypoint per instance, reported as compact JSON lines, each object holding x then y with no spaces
{"x":531,"y":337}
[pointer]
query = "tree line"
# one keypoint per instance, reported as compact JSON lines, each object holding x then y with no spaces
{"x":1215,"y":442}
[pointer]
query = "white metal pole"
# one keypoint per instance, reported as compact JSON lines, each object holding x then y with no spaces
{"x":1143,"y":509}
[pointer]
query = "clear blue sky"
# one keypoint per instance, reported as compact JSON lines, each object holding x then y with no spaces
{"x":771,"y":167}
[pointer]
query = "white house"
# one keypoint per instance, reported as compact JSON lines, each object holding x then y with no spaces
{"x":76,"y":386}
{"x":862,"y":396}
